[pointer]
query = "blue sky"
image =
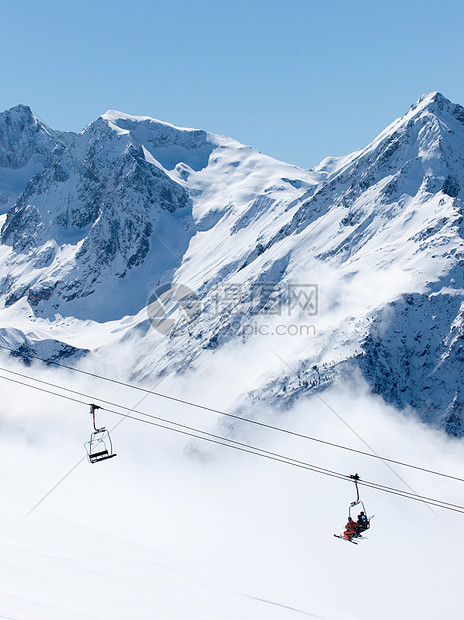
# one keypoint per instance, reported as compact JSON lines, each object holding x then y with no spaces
{"x":298,"y":80}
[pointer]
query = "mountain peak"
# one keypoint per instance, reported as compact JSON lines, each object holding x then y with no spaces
{"x":116,"y":117}
{"x":19,"y":114}
{"x":22,"y":137}
{"x":437,"y":104}
{"x":431,"y":98}
{"x":20,"y":109}
{"x":167,"y":143}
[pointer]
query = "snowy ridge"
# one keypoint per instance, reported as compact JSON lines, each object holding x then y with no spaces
{"x":27,"y":347}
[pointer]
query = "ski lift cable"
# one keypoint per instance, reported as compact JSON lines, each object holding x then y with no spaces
{"x":229,"y":415}
{"x":282,"y":430}
{"x":345,"y":423}
{"x":223,"y":441}
{"x":182,"y":426}
{"x":159,"y":419}
{"x":278,"y":458}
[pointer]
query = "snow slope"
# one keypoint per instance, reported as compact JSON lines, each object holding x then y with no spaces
{"x":53,"y":568}
{"x":159,"y":532}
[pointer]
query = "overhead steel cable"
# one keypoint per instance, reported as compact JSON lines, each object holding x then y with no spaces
{"x":242,"y":447}
{"x":352,"y":430}
{"x":233,"y":416}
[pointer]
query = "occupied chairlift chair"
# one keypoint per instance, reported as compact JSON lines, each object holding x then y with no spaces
{"x":358,"y":502}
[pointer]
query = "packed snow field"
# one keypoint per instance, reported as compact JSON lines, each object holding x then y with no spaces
{"x":175,"y":529}
{"x":329,"y":302}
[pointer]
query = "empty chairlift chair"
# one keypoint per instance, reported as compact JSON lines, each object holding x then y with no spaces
{"x":99,"y":447}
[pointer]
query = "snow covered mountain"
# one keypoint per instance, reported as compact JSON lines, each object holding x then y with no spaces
{"x":371,"y":242}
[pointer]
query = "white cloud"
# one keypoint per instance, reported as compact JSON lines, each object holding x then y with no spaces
{"x":259,"y":526}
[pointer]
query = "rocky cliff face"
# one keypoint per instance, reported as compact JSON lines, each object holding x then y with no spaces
{"x":131,"y":203}
{"x":414,"y":357}
{"x":27,"y":146}
{"x":88,"y":220}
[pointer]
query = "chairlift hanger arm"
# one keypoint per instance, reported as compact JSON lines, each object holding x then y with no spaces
{"x":92,"y":413}
{"x":355,"y":479}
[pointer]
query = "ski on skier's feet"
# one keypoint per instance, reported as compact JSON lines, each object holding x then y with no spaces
{"x":346,"y":539}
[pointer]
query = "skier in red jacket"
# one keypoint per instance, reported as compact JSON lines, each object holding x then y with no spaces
{"x":350,"y":529}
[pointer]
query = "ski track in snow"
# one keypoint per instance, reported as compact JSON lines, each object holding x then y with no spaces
{"x":55,"y":569}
